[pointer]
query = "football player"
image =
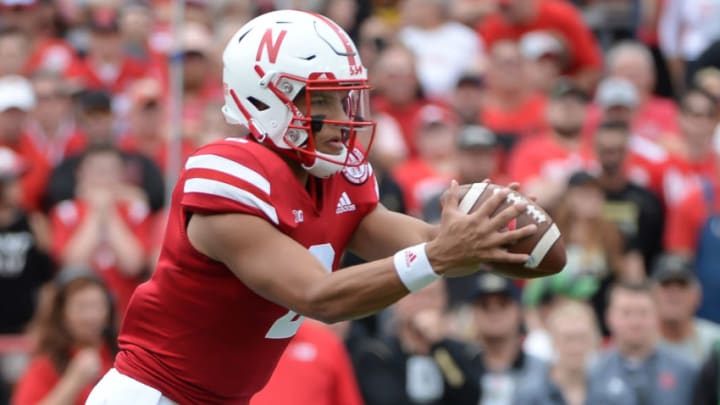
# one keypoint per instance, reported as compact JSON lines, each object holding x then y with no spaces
{"x":257,"y":226}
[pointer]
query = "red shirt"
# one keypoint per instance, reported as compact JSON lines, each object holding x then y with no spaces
{"x":315,"y":369}
{"x":419,"y":182}
{"x":545,"y":157}
{"x":33,"y":182}
{"x":67,"y":216}
{"x":406,"y":117}
{"x":129,"y":70}
{"x":525,"y":120}
{"x":686,"y":219}
{"x":52,"y":54}
{"x":194,"y":331}
{"x":41,"y":376}
{"x":681,"y":175}
{"x":557,"y":16}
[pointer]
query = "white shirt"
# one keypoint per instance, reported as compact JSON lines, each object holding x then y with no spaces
{"x":688,"y":27}
{"x":442,"y":55}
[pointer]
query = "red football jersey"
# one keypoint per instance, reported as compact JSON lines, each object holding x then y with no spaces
{"x":195,"y":331}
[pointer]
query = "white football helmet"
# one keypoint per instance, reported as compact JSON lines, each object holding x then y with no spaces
{"x":282,"y":54}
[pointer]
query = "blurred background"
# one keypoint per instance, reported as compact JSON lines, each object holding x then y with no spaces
{"x":607,"y":111}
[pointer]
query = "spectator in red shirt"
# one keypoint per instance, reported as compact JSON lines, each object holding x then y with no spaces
{"x":76,"y":342}
{"x":398,"y":93}
{"x":423,"y":177}
{"x":107,"y":65}
{"x":107,"y":226}
{"x":147,"y":132}
{"x":517,"y":17}
{"x":52,"y":128}
{"x":542,"y":164}
{"x":697,"y":161}
{"x":511,"y":108}
{"x":315,"y":369}
{"x":656,"y":117}
{"x":17,"y":100}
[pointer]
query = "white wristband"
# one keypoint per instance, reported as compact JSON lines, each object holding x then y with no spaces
{"x":413,"y":267}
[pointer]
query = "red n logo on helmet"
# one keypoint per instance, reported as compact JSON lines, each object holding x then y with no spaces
{"x":272,"y":47}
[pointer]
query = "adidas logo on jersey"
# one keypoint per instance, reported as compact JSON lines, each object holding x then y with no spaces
{"x":344,"y":204}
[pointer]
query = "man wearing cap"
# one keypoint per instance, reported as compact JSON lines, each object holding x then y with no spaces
{"x":677,"y":296}
{"x":506,"y":373}
{"x":17,"y":100}
{"x":542,"y":164}
{"x":477,"y":160}
{"x":546,"y":57}
{"x":635,"y":209}
{"x":637,"y":370}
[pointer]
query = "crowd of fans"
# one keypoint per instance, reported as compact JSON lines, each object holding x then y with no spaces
{"x":607,"y":111}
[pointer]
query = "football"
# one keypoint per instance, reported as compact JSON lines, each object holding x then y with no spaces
{"x":545,"y":247}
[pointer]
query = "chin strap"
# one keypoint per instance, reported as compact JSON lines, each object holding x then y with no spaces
{"x":324,"y":168}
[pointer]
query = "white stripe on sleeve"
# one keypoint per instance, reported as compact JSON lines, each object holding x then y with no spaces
{"x":227,"y":166}
{"x":218,"y":188}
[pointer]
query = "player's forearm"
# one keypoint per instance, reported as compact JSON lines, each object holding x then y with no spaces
{"x":354,"y":292}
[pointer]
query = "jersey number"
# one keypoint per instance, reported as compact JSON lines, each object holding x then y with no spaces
{"x":287,"y":325}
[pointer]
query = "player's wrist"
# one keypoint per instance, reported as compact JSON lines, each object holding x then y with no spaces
{"x":414,"y":268}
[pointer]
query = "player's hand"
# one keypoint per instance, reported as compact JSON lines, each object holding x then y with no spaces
{"x":466,"y":240}
{"x":85,"y":366}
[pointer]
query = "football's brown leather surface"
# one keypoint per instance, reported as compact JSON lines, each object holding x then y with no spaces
{"x":545,"y":246}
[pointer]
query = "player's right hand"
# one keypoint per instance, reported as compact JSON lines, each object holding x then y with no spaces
{"x":466,"y":240}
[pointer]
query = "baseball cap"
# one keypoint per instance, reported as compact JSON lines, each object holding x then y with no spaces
{"x":536,"y":44}
{"x":196,"y":38}
{"x":16,"y":92}
{"x":567,"y":88}
{"x":476,"y":137}
{"x":488,"y":283}
{"x":145,"y":91}
{"x":566,"y":284}
{"x":434,"y":114}
{"x":11,"y":165}
{"x":672,"y":267}
{"x":104,"y":20}
{"x":616,"y":92}
{"x":582,"y":178}
{"x":95,"y":101}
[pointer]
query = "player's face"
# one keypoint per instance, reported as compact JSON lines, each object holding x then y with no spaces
{"x":326,"y":105}
{"x":87,"y":314}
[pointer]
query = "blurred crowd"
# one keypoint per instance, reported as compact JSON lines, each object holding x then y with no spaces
{"x":607,"y":111}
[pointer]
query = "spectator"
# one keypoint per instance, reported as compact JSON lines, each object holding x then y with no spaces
{"x":427,"y":31}
{"x":107,"y":66}
{"x":423,"y":177}
{"x":706,"y":390}
{"x":545,"y":59}
{"x":25,"y":264}
{"x":708,"y":79}
{"x":697,"y":162}
{"x":541,"y":296}
{"x":314,"y":369}
{"x":52,"y":128}
{"x":96,"y":125}
{"x":477,"y":159}
{"x":638,"y":213}
{"x":416,"y":363}
{"x":687,"y":28}
{"x":106,"y":227}
{"x":542,"y":164}
{"x":506,"y":373}
{"x":468,"y":97}
{"x":14,"y":51}
{"x":617,"y":101}
{"x":638,"y":370}
{"x":76,"y":343}
{"x":398,"y":94}
{"x":375,"y":36}
{"x":510,"y":108}
{"x":514,"y":18}
{"x":677,"y":296}
{"x":575,"y":339}
{"x":594,"y":245}
{"x":147,"y":132}
{"x":17,"y":100}
{"x":655,"y":117}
